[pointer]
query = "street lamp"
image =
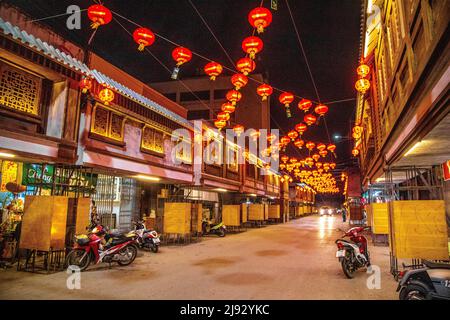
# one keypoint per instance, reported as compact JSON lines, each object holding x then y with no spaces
{"x":338,"y":138}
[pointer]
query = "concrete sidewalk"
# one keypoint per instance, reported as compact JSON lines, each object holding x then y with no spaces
{"x":287,"y":261}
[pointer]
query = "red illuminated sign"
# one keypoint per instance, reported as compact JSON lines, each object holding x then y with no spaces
{"x":446,"y":167}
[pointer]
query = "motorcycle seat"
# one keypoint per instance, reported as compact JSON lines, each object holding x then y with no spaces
{"x":436,"y":265}
{"x":116,"y":241}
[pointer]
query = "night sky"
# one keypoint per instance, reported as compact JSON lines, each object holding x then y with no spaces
{"x":329,"y":30}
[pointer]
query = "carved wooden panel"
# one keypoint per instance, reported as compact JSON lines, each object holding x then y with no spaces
{"x":107,"y":123}
{"x":100,"y":123}
{"x":19,"y":90}
{"x":148,"y":138}
{"x":116,"y":127}
{"x":152,"y":140}
{"x":232,"y":159}
{"x":159,"y":141}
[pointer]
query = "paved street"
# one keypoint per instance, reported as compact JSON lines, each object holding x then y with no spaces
{"x":287,"y":261}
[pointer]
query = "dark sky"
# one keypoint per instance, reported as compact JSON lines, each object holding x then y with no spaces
{"x":329,"y":30}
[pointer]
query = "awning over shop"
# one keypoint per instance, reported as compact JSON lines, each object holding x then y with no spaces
{"x":133,"y":168}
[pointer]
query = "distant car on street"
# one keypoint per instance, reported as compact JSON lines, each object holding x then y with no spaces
{"x":324,"y":210}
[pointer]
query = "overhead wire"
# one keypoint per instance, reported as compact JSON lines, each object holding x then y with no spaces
{"x":299,"y":39}
{"x":51,"y":17}
{"x":211,"y":31}
{"x":168,"y":69}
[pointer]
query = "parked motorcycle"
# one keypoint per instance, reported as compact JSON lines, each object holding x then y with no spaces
{"x":353,"y":254}
{"x":90,"y":248}
{"x":211,"y":228}
{"x":430,"y":282}
{"x":146,"y":239}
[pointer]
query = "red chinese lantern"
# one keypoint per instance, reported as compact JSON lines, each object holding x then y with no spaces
{"x":301,"y":128}
{"x":321,"y":109}
{"x":319,"y":165}
{"x":363,"y":70}
{"x":234,"y":96}
{"x":305,"y":105}
{"x":213,"y":70}
{"x":285,"y":140}
{"x":99,"y":15}
{"x":310,"y":145}
{"x":331,"y":147}
{"x":355,"y":152}
{"x":333,"y":165}
{"x":292,"y":134}
{"x":239,"y":80}
{"x":106,"y":95}
{"x":220,"y":124}
{"x":224,"y":116}
{"x":228,"y":107}
{"x":316,"y":157}
{"x":284,"y":158}
{"x":252,"y":45}
{"x":362,"y":85}
{"x":357,"y":132}
{"x":310,"y":119}
{"x":238,"y":129}
{"x":299,"y":143}
{"x":260,"y":18}
{"x":143,"y":37}
{"x":287,"y":98}
{"x":323,"y":153}
{"x":245,"y":65}
{"x":85,"y":84}
{"x":264,"y":91}
{"x":321,"y":146}
{"x":181,"y":55}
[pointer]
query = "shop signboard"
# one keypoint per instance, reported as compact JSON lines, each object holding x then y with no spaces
{"x":38,"y":174}
{"x":446,"y":170}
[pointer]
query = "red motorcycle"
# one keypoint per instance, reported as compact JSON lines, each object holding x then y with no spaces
{"x":353,"y":254}
{"x":92,"y":248}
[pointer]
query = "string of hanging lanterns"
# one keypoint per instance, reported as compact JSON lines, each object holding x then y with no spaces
{"x":259,"y":18}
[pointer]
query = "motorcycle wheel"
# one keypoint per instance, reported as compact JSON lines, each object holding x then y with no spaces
{"x":154,"y":248}
{"x":347,"y":267}
{"x":74,"y":259}
{"x":131,"y":252}
{"x":221,"y":232}
{"x":412,"y":292}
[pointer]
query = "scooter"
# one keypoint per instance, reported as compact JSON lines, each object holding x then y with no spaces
{"x":146,"y":239}
{"x":353,"y":254}
{"x":430,"y":282}
{"x":90,"y":248}
{"x":211,"y":228}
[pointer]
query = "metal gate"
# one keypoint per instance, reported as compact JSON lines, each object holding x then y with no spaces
{"x":104,"y":198}
{"x":129,"y":203}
